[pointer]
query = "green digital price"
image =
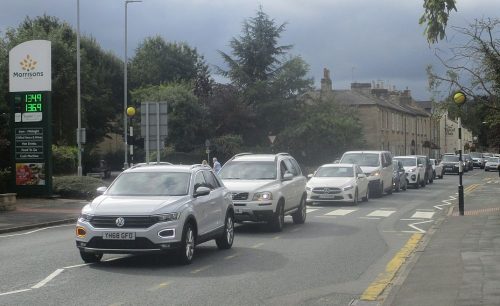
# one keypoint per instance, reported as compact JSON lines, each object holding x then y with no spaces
{"x":33,"y":102}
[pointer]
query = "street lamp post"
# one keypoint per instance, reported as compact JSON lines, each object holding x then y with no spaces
{"x":78,"y":96}
{"x":459,"y":98}
{"x":125,"y":146}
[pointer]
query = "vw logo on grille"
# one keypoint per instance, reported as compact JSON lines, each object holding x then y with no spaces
{"x":120,"y":222}
{"x":326,"y":190}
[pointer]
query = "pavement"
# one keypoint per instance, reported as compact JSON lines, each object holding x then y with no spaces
{"x":457,"y":263}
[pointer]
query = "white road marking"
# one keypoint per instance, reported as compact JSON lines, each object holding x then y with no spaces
{"x":34,"y":231}
{"x":423,"y":214}
{"x":446,"y":202}
{"x":369,"y":218}
{"x":381,"y":213}
{"x":47,"y":279}
{"x":232,"y":256}
{"x":419,"y":229}
{"x":13,"y":292}
{"x":411,"y":219}
{"x":340,"y":212}
{"x":310,"y":210}
{"x":77,"y":266}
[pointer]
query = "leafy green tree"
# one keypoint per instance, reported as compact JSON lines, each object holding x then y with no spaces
{"x":322,"y":131}
{"x":158,"y":62}
{"x":268,"y":78}
{"x":435,"y":18}
{"x":186,"y":128}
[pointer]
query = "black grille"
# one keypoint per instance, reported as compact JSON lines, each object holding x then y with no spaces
{"x":327,"y":190}
{"x":138,"y":243}
{"x":130,"y":222}
{"x":326,"y":199}
{"x":240,"y":196}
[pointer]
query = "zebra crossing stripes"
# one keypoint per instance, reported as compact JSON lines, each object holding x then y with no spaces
{"x":381,"y":213}
{"x":423,"y":215}
{"x":340,"y":212}
{"x":310,"y":210}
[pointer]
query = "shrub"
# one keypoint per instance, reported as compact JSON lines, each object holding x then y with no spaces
{"x":65,"y":159}
{"x":76,"y":187}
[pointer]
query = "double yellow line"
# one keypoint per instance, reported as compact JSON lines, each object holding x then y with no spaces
{"x":471,"y":188}
{"x":384,"y":279}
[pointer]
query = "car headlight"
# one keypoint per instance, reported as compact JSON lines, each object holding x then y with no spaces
{"x":263,"y":196}
{"x":375,"y":173}
{"x":85,"y":218}
{"x":348,"y":187}
{"x":413,"y":169}
{"x":167,"y":217}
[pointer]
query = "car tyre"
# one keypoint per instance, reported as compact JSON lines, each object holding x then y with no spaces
{"x":225,"y":241}
{"x":186,"y":251}
{"x":278,"y":218}
{"x":90,"y":257}
{"x":299,"y":217}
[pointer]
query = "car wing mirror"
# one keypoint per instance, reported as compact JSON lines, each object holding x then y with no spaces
{"x":310,"y":175}
{"x":287,"y":176}
{"x":101,"y":190}
{"x":361,"y":175}
{"x":420,"y":165}
{"x":201,"y":191}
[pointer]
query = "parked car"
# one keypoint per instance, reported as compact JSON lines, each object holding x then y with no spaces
{"x":415,"y":170}
{"x":399,"y":176}
{"x":266,"y":187}
{"x":437,"y":168}
{"x":450,"y":164}
{"x":377,"y":166}
{"x":478,"y":159}
{"x":337,"y":182}
{"x":157,"y":208}
{"x":492,"y":164}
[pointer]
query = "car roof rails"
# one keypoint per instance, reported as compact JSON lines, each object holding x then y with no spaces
{"x":200,"y":166}
{"x":282,"y":153}
{"x":150,"y":164}
{"x":241,"y":154}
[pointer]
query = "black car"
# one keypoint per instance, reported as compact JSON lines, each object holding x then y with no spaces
{"x":399,"y":176}
{"x":450,"y":164}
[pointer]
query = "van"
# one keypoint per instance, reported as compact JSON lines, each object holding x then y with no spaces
{"x":377,"y":165}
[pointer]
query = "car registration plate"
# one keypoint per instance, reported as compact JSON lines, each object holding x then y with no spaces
{"x":238,"y":211}
{"x":326,"y":196}
{"x":118,"y":236}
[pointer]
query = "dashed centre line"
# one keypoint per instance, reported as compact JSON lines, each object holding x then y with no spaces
{"x":47,"y":279}
{"x":381,"y":213}
{"x":340,"y":212}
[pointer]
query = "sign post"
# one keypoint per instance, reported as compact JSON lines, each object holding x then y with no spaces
{"x":30,"y":87}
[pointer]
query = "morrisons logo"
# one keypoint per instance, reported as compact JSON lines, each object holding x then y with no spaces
{"x":28,"y":64}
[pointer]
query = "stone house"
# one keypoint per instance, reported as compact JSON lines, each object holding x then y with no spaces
{"x":392,"y":120}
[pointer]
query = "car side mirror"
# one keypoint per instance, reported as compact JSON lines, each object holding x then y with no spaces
{"x":361,"y":175}
{"x":101,"y":190}
{"x":420,"y":165}
{"x":287,"y":176}
{"x":310,"y":175}
{"x":201,"y":191}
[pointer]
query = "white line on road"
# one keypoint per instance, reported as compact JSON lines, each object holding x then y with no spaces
{"x":369,"y":218}
{"x":340,"y":212}
{"x":47,"y":279}
{"x":34,"y":231}
{"x":232,"y":256}
{"x":423,"y":214}
{"x":258,"y":245}
{"x":411,"y":219}
{"x":310,"y":210}
{"x":13,"y":292}
{"x":419,"y":229}
{"x":381,"y":213}
{"x":77,"y":266}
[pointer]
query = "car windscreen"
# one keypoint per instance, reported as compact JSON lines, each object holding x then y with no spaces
{"x":493,"y":159}
{"x":450,"y":158}
{"x":150,"y":184}
{"x":361,"y":159}
{"x":476,"y":155}
{"x":248,"y":170}
{"x":407,"y":161}
{"x":334,"y":172}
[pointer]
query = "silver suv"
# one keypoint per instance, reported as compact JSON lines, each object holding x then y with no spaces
{"x":266,"y":187}
{"x":157,"y":208}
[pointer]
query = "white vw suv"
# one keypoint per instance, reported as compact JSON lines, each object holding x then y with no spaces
{"x":266,"y":187}
{"x":157,"y":208}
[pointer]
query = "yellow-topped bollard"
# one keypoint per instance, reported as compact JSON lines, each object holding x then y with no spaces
{"x":459,"y":98}
{"x":130,"y":111}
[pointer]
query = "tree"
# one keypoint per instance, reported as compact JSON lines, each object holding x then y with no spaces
{"x":435,"y":17}
{"x":267,"y":78}
{"x":186,"y":129}
{"x":323,"y":131}
{"x":473,"y":68}
{"x":158,"y":62}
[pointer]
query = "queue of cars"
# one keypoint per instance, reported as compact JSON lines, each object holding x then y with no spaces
{"x":165,"y":208}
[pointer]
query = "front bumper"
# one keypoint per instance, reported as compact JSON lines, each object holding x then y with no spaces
{"x":450,"y":169}
{"x":341,"y":196}
{"x":253,"y":210}
{"x":146,"y":240}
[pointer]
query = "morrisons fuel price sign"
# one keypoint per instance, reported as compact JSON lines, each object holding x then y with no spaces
{"x":30,"y":94}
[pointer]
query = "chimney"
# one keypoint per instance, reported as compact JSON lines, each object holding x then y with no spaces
{"x":326,"y":82}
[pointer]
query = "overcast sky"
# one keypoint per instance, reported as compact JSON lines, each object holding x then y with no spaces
{"x":358,"y":40}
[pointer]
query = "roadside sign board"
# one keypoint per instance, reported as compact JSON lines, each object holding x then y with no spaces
{"x":30,"y":85}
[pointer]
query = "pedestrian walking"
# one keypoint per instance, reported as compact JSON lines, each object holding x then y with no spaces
{"x":217,"y":165}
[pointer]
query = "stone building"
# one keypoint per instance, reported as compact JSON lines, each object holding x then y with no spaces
{"x":391,"y":119}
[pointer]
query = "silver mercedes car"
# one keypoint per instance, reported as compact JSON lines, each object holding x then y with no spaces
{"x":157,"y":208}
